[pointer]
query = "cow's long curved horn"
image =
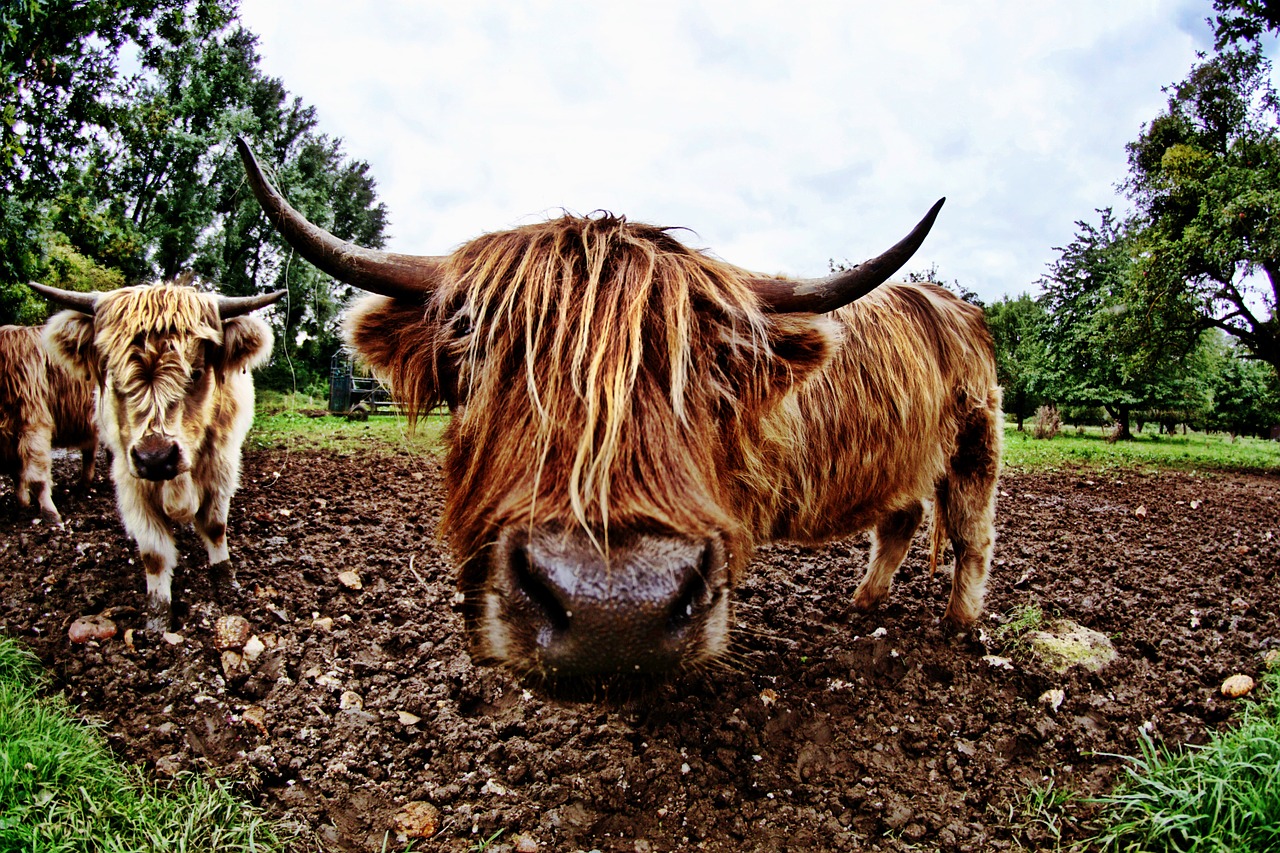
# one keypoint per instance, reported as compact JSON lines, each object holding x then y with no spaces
{"x":234,"y":306}
{"x":85,"y":303}
{"x":818,"y":295}
{"x":387,"y":273}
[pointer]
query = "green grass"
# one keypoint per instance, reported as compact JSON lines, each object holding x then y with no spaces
{"x":298,"y":422}
{"x":1222,"y":797}
{"x":61,"y":789}
{"x":1011,"y":634}
{"x":1194,"y":451}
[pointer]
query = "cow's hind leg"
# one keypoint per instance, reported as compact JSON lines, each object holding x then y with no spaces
{"x":967,"y":499}
{"x":88,"y":463}
{"x":211,"y":524}
{"x":890,"y":541}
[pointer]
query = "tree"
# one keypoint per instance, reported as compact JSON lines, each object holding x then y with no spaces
{"x":1245,"y":393}
{"x":1097,"y":350}
{"x":1205,"y":176}
{"x":1244,"y":20}
{"x":1016,"y":328}
{"x":117,"y":179}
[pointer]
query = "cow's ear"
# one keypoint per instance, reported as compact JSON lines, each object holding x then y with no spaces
{"x":68,"y":338}
{"x":395,"y":338}
{"x":801,"y":345}
{"x":246,"y":344}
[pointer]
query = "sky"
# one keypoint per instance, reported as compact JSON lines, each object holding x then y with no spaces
{"x":783,"y":135}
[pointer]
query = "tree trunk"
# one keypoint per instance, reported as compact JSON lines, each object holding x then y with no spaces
{"x":1121,"y":416}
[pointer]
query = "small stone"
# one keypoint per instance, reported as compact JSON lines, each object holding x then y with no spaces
{"x":231,"y":632}
{"x":88,"y":628}
{"x":768,"y":696}
{"x":234,"y":666}
{"x":1272,"y":658}
{"x":1237,"y":686}
{"x":525,"y":844}
{"x":256,"y":716}
{"x":998,"y":661}
{"x":169,"y":765}
{"x":350,"y":701}
{"x":350,"y":580}
{"x":324,"y":623}
{"x":416,"y":820}
{"x":252,"y":648}
{"x":1052,"y":699}
{"x":407,"y":719}
{"x":1140,"y":512}
{"x":172,"y":638}
{"x":285,"y":513}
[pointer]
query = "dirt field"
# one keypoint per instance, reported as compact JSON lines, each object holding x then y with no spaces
{"x":830,"y":730}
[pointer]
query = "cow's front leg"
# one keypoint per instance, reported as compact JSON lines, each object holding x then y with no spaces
{"x":159,"y":558}
{"x":35,"y":474}
{"x":211,"y":524}
{"x":890,"y":542}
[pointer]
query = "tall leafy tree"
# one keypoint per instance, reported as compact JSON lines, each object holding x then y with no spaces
{"x":113,"y":178}
{"x":1016,"y":325}
{"x":1205,"y":175}
{"x":1245,"y":393}
{"x":1097,"y":350}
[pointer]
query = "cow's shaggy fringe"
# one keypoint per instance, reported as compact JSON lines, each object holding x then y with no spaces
{"x":590,"y":318}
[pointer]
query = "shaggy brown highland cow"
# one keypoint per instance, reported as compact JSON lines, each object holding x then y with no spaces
{"x":631,"y":416}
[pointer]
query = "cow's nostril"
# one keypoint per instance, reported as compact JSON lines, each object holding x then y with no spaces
{"x":691,"y":598}
{"x":537,"y":592}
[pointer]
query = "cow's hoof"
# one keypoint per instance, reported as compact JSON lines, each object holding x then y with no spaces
{"x":865,"y":602}
{"x":223,"y":575}
{"x":159,"y":617}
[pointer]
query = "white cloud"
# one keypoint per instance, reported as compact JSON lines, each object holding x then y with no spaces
{"x":782,"y":133}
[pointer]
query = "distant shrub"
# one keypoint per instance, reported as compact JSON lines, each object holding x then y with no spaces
{"x":1047,"y":423}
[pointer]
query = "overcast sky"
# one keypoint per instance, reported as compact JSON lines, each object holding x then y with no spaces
{"x":782,"y":134}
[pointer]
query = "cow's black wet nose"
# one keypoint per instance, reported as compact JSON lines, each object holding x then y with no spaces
{"x":156,"y":458}
{"x":576,"y":611}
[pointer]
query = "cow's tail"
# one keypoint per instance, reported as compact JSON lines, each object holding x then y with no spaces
{"x":937,"y":534}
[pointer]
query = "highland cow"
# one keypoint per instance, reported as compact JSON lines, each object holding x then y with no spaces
{"x":42,"y":407}
{"x":630,"y":417}
{"x":176,"y":400}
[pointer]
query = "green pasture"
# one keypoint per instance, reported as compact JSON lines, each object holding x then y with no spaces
{"x":1089,"y":446}
{"x":300,"y":423}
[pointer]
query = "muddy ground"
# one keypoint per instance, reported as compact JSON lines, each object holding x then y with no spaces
{"x":829,"y":730}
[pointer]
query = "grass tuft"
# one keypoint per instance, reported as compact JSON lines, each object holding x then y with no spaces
{"x":61,"y":789}
{"x":1222,"y":797}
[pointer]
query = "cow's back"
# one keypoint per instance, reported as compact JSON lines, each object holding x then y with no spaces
{"x":875,"y":430}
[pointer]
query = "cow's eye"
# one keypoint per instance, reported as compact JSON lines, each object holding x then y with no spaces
{"x":462,"y":325}
{"x":197,"y":375}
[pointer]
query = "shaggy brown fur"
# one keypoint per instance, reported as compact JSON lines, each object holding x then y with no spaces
{"x":42,"y":407}
{"x":607,"y":377}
